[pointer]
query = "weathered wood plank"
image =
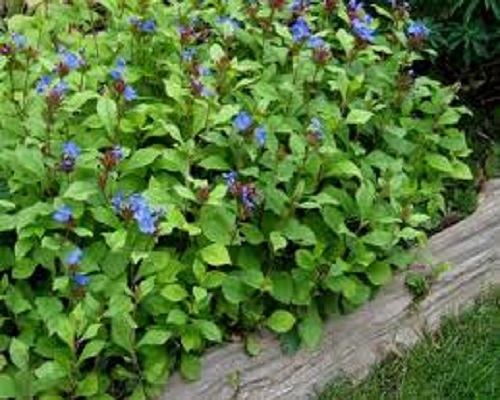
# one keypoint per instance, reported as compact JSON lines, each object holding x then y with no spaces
{"x":353,"y":343}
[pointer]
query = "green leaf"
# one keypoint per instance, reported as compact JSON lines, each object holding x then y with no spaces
{"x":116,"y":240}
{"x":155,"y":337}
{"x":299,"y":233}
{"x":51,"y":371}
{"x":379,"y":238}
{"x":215,"y":162}
{"x":215,"y":254}
{"x":450,"y":117}
{"x":281,"y":321}
{"x":19,"y":354}
{"x":91,"y":349}
{"x":174,"y":292}
{"x":234,"y":290}
{"x":343,"y":168}
{"x":379,"y":273}
{"x":190,"y":367}
{"x":252,"y":345}
{"x":209,"y":330}
{"x":305,"y":259}
{"x":89,"y":386}
{"x":81,"y":190}
{"x":358,"y":117}
{"x":365,"y":197}
{"x":218,"y":224}
{"x":122,"y":331}
{"x":140,"y":159}
{"x":7,"y":387}
{"x":77,"y":100}
{"x":277,"y":241}
{"x":311,"y":328}
{"x":226,"y":114}
{"x":282,"y":287}
{"x":65,"y":330}
{"x":107,"y":112}
{"x":461,"y":171}
{"x":439,"y":163}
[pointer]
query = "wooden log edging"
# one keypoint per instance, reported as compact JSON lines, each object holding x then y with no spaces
{"x":352,"y":344}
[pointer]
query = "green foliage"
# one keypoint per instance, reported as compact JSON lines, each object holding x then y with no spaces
{"x":224,"y":225}
{"x":468,"y":29}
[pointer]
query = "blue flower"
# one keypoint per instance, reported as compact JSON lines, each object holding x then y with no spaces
{"x":148,"y":26}
{"x":19,"y":40}
{"x":300,"y":30}
{"x":43,"y":84}
{"x":316,"y":130}
{"x":117,"y":73}
{"x":248,"y":198}
{"x":63,"y":214}
{"x":71,"y":150}
{"x":146,"y":220}
{"x":188,"y":54}
{"x":129,"y":93}
{"x":316,"y":42}
{"x":418,"y":29}
{"x":59,"y":90}
{"x":74,"y":257}
{"x":202,"y":70}
{"x":137,"y":202}
{"x":260,"y":136}
{"x":356,"y":6}
{"x":363,"y":30}
{"x":70,"y":60}
{"x":117,"y":153}
{"x":316,"y":124}
{"x":299,"y":5}
{"x":243,"y":121}
{"x":207,"y":92}
{"x":228,"y":21}
{"x":118,"y":201}
{"x":231,"y":178}
{"x":81,"y":280}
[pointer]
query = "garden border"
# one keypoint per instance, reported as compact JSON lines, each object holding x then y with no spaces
{"x":353,"y":343}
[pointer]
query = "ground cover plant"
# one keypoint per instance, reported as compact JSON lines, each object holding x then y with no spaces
{"x":176,"y":175}
{"x":460,"y":361}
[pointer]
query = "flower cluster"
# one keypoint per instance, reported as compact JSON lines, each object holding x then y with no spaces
{"x":300,"y":6}
{"x":74,"y":259}
{"x":196,"y":30}
{"x":63,"y":215}
{"x":17,"y":43}
{"x":136,"y":207}
{"x":69,"y":61}
{"x":246,"y":193}
{"x":244,"y":123}
{"x":315,"y":131}
{"x":361,"y":21}
{"x":418,"y":32}
{"x":122,"y":88}
{"x":70,"y":153}
{"x":54,"y":93}
{"x":112,"y":157}
{"x":300,"y":30}
{"x":143,"y":26}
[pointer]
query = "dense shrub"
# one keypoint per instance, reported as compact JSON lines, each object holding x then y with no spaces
{"x":466,"y":30}
{"x":180,"y":174}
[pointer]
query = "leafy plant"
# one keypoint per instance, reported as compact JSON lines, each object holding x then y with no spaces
{"x":465,"y":29}
{"x":181,"y":173}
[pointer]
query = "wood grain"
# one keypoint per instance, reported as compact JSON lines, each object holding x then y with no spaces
{"x":353,"y":343}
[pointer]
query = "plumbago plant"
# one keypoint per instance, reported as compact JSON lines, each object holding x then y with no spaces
{"x":177,"y":175}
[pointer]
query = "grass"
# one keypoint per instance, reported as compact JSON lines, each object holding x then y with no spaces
{"x":460,"y":362}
